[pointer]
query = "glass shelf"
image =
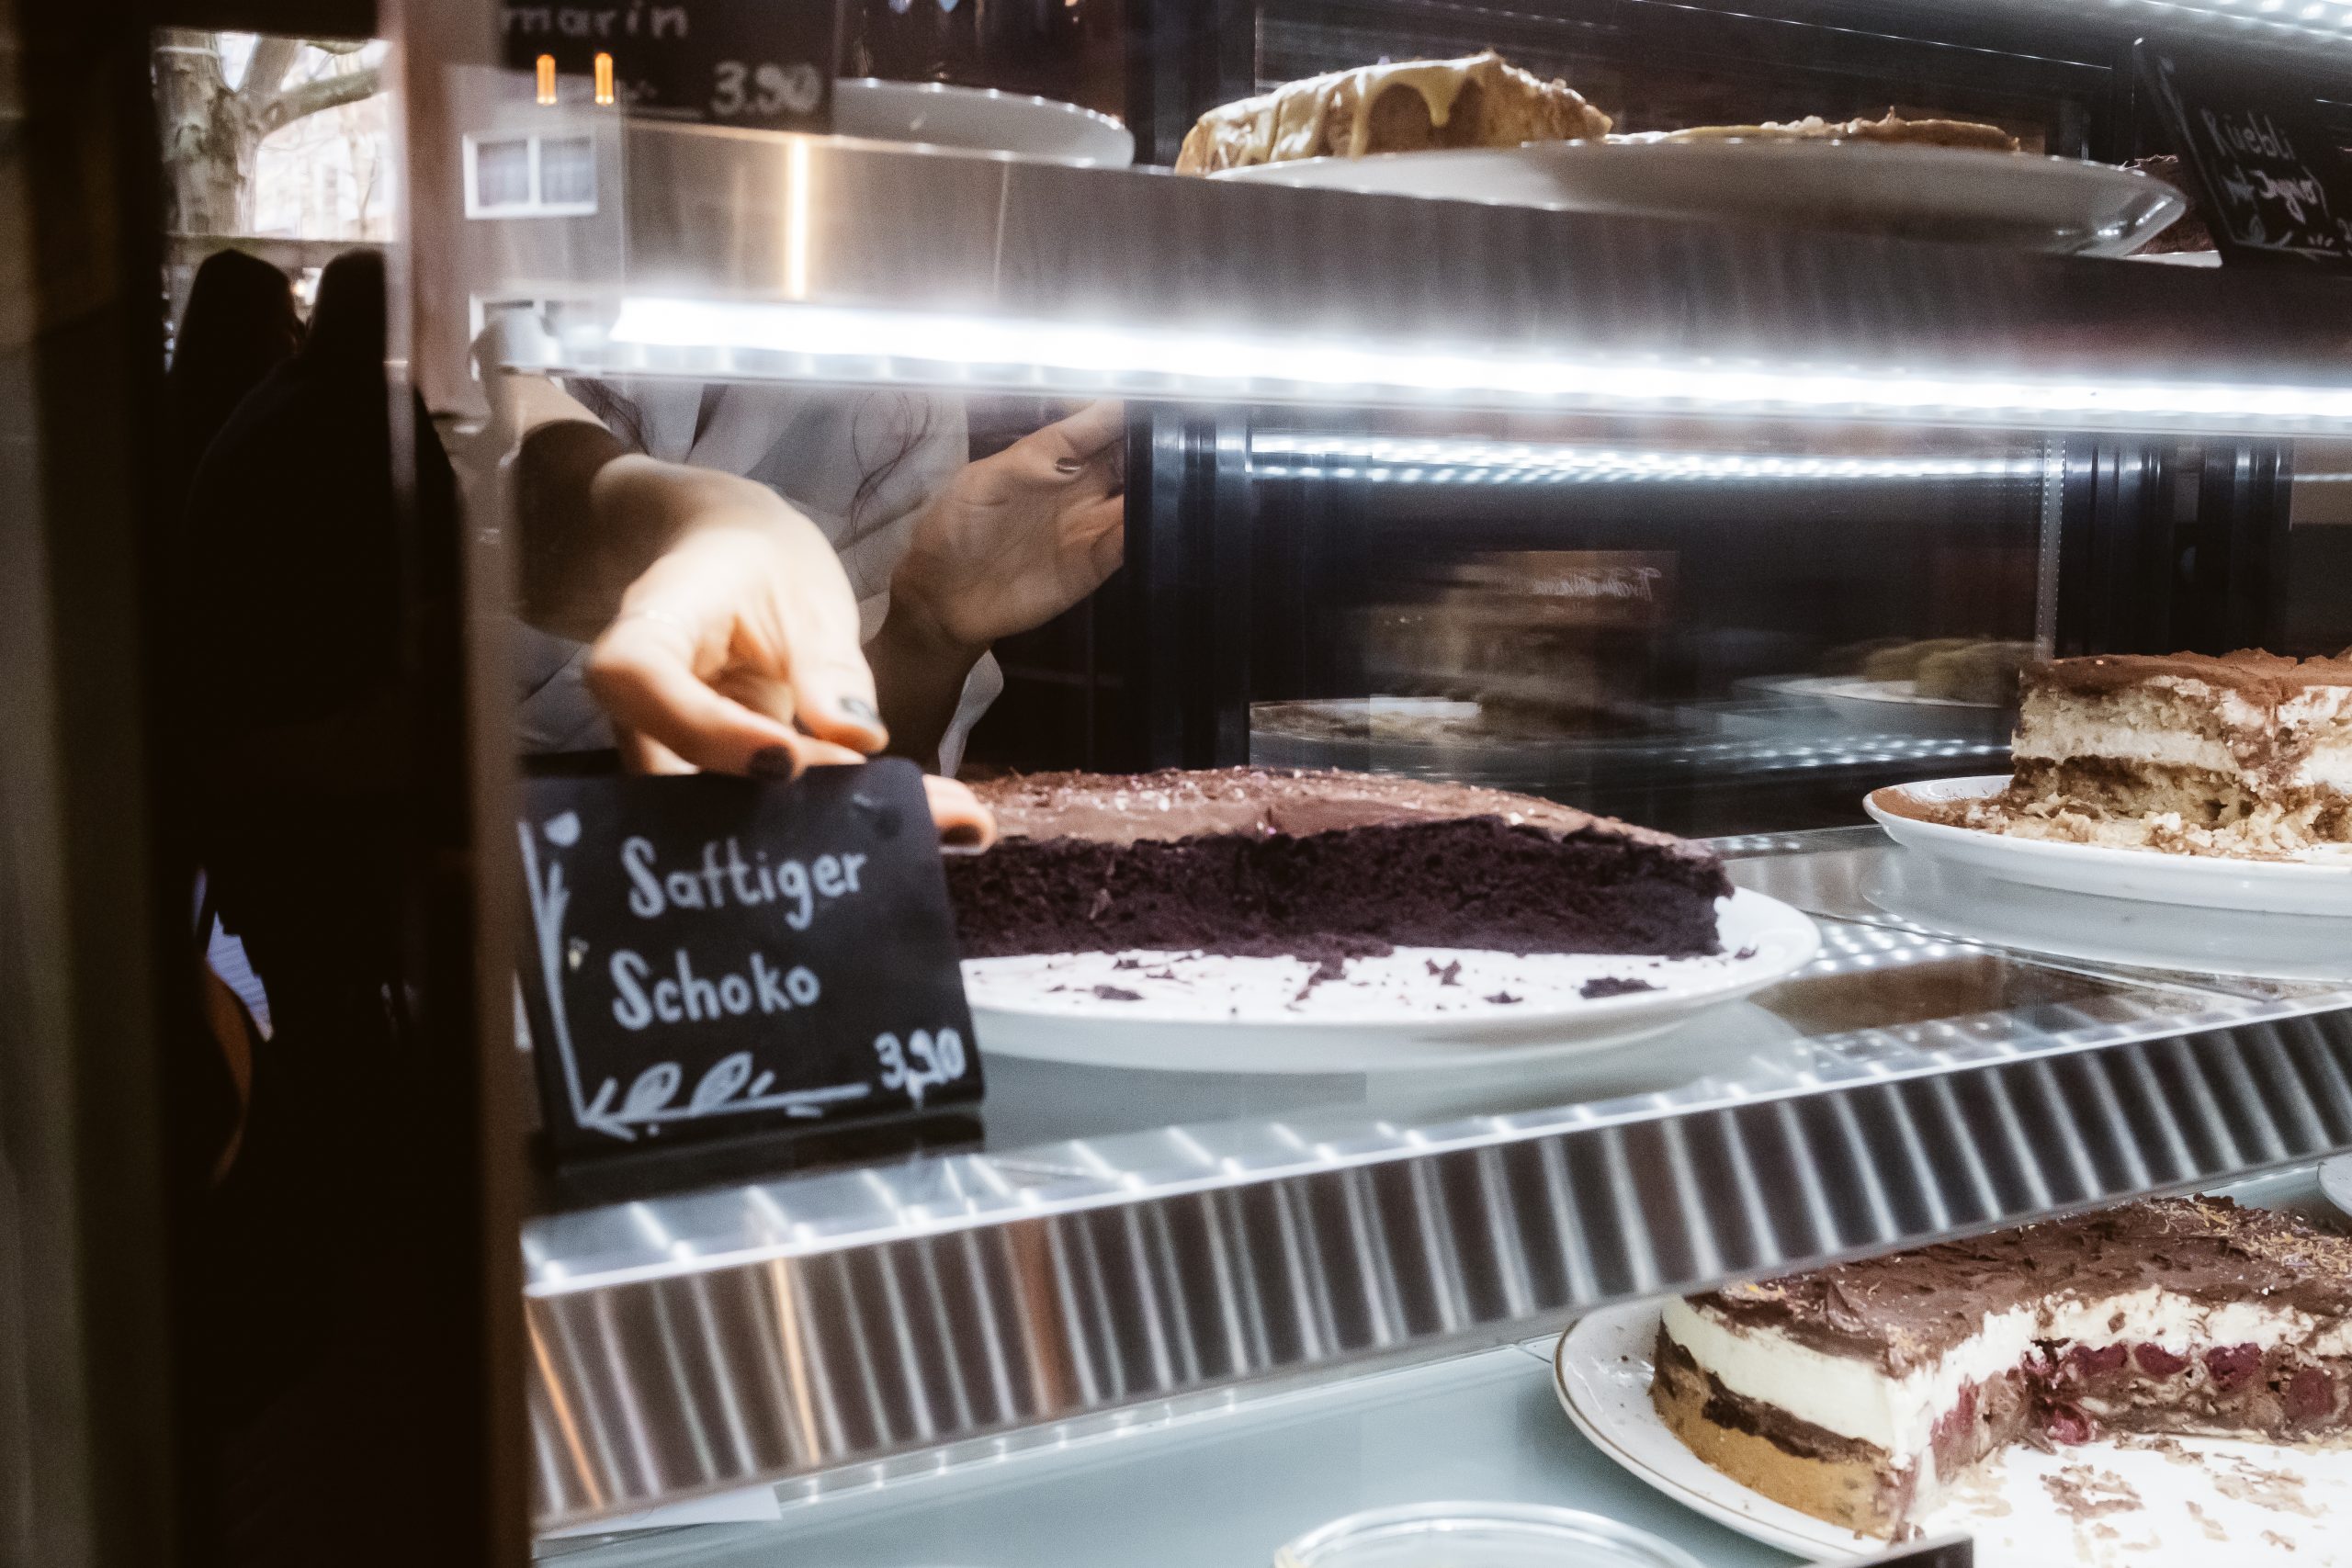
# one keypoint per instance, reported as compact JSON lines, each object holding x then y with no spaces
{"x":747,"y":256}
{"x":1127,"y":1237}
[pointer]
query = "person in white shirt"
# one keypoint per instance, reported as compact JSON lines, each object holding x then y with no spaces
{"x":754,"y":579}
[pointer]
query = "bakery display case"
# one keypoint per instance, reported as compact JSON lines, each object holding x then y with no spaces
{"x":1677,"y":498}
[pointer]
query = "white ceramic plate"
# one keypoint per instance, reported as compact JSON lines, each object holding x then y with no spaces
{"x":2208,"y":882}
{"x":1896,"y":707}
{"x":1194,"y":1012}
{"x":975,"y":119}
{"x":1926,"y":193}
{"x":2186,"y":1491}
{"x":2335,"y":1181}
{"x":1954,"y":900}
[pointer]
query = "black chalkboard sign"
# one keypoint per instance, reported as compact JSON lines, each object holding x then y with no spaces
{"x":711,"y":956}
{"x":2274,"y":185}
{"x":764,"y":64}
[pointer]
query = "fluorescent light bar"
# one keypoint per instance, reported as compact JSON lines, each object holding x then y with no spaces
{"x":1445,"y":460}
{"x":809,"y":342}
{"x":2324,"y":22}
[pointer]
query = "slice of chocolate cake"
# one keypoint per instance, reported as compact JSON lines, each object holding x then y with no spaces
{"x":1859,"y":1394}
{"x":1319,"y":866}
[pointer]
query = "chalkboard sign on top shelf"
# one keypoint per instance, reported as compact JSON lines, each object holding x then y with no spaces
{"x":767,"y":64}
{"x":709,"y":958}
{"x":2273,"y":181}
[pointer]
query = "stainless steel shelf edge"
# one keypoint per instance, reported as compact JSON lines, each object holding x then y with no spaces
{"x":757,"y":255}
{"x":658,"y":1388}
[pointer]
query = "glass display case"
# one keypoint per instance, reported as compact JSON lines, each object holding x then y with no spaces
{"x":1664,"y":504}
{"x":1713,"y":525}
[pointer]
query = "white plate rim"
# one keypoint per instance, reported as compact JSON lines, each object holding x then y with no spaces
{"x":1796,"y":1537}
{"x":1328,"y":171}
{"x":1888,"y":890}
{"x":1788,"y":940}
{"x":1855,"y":689}
{"x":2176,"y":878}
{"x":1094,"y":122}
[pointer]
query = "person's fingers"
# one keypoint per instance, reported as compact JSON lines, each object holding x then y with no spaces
{"x":1105,"y":473}
{"x":834,"y":689}
{"x":1101,"y":530}
{"x":825,"y":754}
{"x":640,"y":755}
{"x":1080,"y":436}
{"x":963,"y":822}
{"x":643,"y":671}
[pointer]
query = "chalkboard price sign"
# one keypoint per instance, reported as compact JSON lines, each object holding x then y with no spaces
{"x":763,"y":63}
{"x":711,"y":956}
{"x":2274,"y":184}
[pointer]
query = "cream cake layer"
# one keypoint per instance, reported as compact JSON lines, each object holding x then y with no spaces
{"x":2247,"y":754}
{"x":1859,"y":1393}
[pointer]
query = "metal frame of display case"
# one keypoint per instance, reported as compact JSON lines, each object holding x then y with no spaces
{"x":693,"y":1344}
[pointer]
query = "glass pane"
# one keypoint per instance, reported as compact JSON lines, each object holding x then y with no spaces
{"x":568,"y":172}
{"x":503,"y":174}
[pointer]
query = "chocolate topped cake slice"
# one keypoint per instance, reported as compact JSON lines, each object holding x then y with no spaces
{"x":1859,"y":1394}
{"x":2247,"y":754}
{"x":1252,"y":860}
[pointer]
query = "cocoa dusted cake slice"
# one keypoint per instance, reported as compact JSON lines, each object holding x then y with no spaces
{"x":2248,"y":754}
{"x":1859,"y":1394}
{"x":1319,"y":866}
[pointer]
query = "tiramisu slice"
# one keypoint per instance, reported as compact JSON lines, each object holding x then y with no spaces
{"x":2249,"y":754}
{"x":1406,"y":106}
{"x":1253,"y":861}
{"x":1859,"y":1393}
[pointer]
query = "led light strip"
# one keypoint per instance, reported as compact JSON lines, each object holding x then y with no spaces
{"x":808,"y":342}
{"x":2309,"y":21}
{"x":1287,"y":454}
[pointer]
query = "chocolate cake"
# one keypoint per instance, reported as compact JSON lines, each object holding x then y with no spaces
{"x":1859,"y":1393}
{"x":1320,"y":865}
{"x":2249,"y":754}
{"x":1406,"y":106}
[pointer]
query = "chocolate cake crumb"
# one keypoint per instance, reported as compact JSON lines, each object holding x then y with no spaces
{"x":1117,"y":994}
{"x":1128,"y":963}
{"x":2281,"y":1491}
{"x":1612,"y":985}
{"x":1447,"y":975}
{"x":1745,"y":954}
{"x":2210,"y":1526}
{"x":2086,"y":1493}
{"x":2275,"y":1540}
{"x":1504,"y":998}
{"x":1330,"y":969}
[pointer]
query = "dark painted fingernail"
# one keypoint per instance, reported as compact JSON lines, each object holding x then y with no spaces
{"x":772,"y":762}
{"x":858,"y":708}
{"x":961,"y":836}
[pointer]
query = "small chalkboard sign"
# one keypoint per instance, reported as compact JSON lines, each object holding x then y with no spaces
{"x":763,"y":63}
{"x":2274,"y":185}
{"x":711,"y":956}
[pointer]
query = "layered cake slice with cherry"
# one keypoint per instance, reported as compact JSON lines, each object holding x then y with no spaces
{"x":1859,"y":1393}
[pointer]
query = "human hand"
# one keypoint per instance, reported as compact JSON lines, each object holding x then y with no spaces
{"x":736,"y":651}
{"x":1017,"y":538}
